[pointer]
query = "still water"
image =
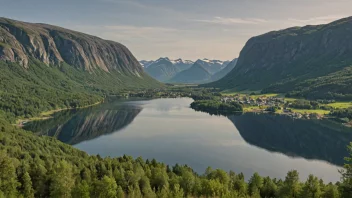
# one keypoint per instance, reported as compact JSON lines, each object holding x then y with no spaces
{"x":171,"y":132}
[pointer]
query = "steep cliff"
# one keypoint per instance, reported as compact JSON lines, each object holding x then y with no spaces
{"x":20,"y":41}
{"x":44,"y":67}
{"x":279,"y":60}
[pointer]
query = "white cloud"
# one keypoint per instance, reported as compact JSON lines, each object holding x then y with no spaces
{"x":231,"y":21}
{"x":315,"y":20}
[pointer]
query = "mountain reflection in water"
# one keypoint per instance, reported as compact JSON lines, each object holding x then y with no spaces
{"x":310,"y":139}
{"x":75,"y":126}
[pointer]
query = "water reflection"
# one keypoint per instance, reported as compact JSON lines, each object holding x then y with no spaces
{"x":310,"y":139}
{"x":171,"y":132}
{"x":75,"y":126}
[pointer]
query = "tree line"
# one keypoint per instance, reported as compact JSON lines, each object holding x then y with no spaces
{"x":40,"y":166}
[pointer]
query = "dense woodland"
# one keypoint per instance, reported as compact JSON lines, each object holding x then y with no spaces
{"x":216,"y":107}
{"x":27,"y":92}
{"x":40,"y":166}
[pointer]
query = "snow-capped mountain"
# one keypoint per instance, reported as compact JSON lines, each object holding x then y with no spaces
{"x":165,"y":69}
{"x":181,"y":64}
{"x":212,"y":66}
{"x":146,"y":63}
{"x":162,"y":69}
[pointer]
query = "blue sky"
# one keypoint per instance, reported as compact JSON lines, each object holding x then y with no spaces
{"x":189,"y":29}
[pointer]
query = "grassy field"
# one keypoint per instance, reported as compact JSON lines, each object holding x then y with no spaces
{"x":247,"y":93}
{"x":336,"y":105}
{"x":47,"y":114}
{"x":252,"y":108}
{"x":317,"y":111}
{"x":340,"y":105}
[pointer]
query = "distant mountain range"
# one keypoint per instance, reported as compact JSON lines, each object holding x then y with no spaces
{"x":196,"y":74}
{"x":314,"y":62}
{"x":186,"y":71}
{"x":162,"y":69}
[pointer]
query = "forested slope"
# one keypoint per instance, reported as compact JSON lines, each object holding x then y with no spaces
{"x":40,"y":166}
{"x":296,"y":58}
{"x":45,"y":67}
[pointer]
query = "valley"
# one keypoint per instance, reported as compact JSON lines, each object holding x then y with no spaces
{"x":80,"y":116}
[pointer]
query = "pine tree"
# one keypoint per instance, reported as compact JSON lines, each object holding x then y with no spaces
{"x":120,"y":193}
{"x":105,"y":188}
{"x":8,"y":179}
{"x":311,"y":188}
{"x":28,"y":191}
{"x":61,"y":181}
{"x":81,"y":190}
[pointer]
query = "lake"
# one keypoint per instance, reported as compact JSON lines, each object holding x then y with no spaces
{"x":171,"y":132}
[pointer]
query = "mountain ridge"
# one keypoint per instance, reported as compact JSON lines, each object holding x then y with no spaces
{"x":196,"y":74}
{"x":45,"y":67}
{"x":53,"y":45}
{"x":279,"y":60}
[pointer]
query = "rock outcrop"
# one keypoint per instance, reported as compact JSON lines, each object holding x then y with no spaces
{"x":52,"y":45}
{"x":290,"y":56}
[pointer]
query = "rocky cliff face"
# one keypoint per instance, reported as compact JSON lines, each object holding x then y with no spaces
{"x":20,"y":41}
{"x":292,"y":55}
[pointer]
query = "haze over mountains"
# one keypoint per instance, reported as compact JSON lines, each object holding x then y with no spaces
{"x":185,"y":71}
{"x":311,"y":61}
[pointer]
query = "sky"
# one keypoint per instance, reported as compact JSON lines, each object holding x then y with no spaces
{"x":187,"y":29}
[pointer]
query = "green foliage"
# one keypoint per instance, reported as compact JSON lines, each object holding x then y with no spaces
{"x":334,"y":86}
{"x":28,"y":92}
{"x":297,"y":61}
{"x":346,"y":187}
{"x":216,"y":107}
{"x":40,"y":166}
{"x":342,"y":113}
{"x":301,"y":104}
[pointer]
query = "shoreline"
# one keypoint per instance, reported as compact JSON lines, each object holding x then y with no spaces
{"x":47,"y":114}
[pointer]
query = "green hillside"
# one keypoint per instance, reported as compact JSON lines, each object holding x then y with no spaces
{"x":45,"y":67}
{"x":27,"y":92}
{"x":300,"y":57}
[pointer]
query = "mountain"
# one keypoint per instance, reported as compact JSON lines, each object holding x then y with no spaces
{"x":223,"y":72}
{"x":212,"y":66}
{"x":182,"y":64}
{"x":146,"y":63}
{"x":196,"y":74}
{"x":179,"y":63}
{"x":162,"y":69}
{"x":298,"y":61}
{"x":44,"y":67}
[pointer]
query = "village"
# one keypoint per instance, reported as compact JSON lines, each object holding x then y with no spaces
{"x":271,"y":104}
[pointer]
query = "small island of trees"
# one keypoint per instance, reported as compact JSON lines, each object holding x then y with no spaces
{"x":216,"y":107}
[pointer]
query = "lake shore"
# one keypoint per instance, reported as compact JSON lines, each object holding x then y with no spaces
{"x":48,"y":114}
